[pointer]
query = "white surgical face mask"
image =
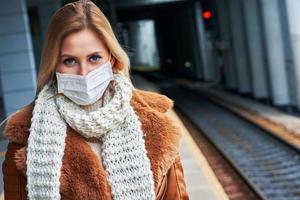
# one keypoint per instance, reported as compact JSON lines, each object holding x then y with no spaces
{"x":87,"y":89}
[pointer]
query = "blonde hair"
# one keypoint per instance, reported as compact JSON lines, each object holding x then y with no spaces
{"x":71,"y":18}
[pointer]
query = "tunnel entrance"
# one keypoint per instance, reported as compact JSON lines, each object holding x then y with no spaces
{"x":174,"y":48}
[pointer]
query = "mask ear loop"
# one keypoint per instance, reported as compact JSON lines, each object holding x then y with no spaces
{"x":109,"y":59}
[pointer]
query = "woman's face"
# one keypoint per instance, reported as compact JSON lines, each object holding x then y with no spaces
{"x":81,"y":53}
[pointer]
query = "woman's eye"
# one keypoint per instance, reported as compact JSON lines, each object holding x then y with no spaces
{"x":95,"y":58}
{"x":69,"y":61}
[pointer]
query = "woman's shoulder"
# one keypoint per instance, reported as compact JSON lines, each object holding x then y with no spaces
{"x":17,"y":126}
{"x":154,"y":100}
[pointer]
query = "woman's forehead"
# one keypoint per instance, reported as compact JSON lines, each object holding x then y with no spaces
{"x":82,"y":42}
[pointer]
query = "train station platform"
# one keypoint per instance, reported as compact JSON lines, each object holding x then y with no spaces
{"x":200,"y":179}
{"x":269,"y":120}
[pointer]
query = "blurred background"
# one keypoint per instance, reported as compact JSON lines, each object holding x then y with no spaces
{"x":242,"y":55}
{"x":249,"y":47}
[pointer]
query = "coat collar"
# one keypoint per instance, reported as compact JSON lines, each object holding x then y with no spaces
{"x":81,"y":169}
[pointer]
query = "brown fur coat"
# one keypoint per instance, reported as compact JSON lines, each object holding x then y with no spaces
{"x":82,"y":175}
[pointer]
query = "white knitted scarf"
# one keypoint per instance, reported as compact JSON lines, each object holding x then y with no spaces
{"x":123,"y":151}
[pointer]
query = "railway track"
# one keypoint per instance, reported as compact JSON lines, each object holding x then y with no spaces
{"x":268,"y":165}
{"x":234,"y":186}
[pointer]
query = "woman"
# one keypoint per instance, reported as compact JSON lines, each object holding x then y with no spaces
{"x":89,"y":134}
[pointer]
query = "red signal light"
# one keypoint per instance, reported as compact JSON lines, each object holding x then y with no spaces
{"x":207,"y":15}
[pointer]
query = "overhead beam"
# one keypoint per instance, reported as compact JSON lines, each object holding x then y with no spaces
{"x":136,"y":3}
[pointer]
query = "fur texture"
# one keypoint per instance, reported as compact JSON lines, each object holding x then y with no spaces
{"x":82,"y":175}
{"x":17,"y":127}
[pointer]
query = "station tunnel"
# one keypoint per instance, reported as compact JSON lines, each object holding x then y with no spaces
{"x":175,"y":33}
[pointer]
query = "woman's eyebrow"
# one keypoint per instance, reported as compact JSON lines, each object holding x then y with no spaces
{"x":99,"y":52}
{"x":67,"y":55}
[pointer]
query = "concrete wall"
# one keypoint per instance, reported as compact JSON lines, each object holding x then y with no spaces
{"x":17,"y":67}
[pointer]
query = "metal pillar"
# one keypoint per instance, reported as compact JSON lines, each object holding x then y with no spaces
{"x":294,"y":28}
{"x":239,"y":46}
{"x":275,"y":55}
{"x":201,"y":70}
{"x":255,"y":49}
{"x":227,"y":51}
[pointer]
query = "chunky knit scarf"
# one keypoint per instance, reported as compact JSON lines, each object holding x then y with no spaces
{"x":123,"y":151}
